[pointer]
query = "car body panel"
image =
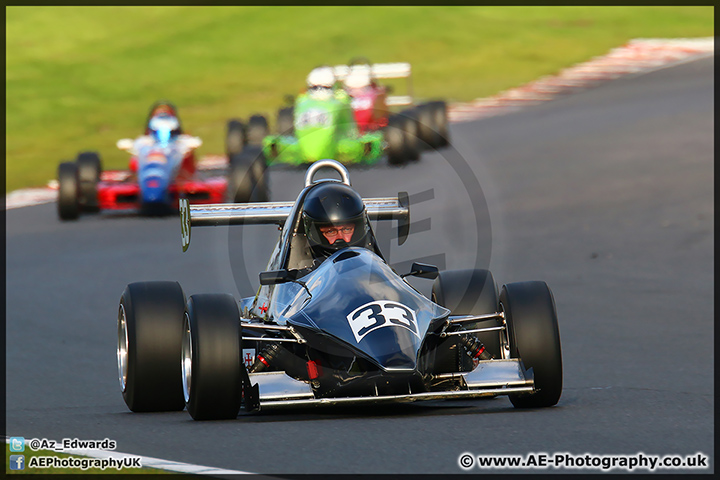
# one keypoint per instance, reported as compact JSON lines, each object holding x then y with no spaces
{"x":323,"y":129}
{"x":160,"y":177}
{"x":349,"y":328}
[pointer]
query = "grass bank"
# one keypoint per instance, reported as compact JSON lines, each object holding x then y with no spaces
{"x":80,"y":78}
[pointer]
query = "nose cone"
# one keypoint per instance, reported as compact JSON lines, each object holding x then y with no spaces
{"x":154,"y":178}
{"x":317,"y":143}
{"x":154,"y":189}
{"x":393,"y":350}
{"x":152,"y":195}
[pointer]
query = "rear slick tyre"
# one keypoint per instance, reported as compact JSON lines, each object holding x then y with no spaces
{"x":468,"y":292}
{"x":534,"y":338}
{"x":438,"y":111}
{"x":395,"y":139}
{"x":261,"y":192}
{"x":149,"y":346}
{"x":285,"y":125}
{"x":235,"y":138}
{"x":257,"y":129}
{"x":241,"y":181}
{"x":248,"y":179}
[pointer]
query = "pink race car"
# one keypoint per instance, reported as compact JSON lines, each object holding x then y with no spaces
{"x":371,"y":103}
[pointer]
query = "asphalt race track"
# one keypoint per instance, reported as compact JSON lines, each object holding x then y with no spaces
{"x":607,"y":195}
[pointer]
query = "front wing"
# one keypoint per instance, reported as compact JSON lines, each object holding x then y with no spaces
{"x":122,"y":195}
{"x":489,"y":378}
{"x":365,"y":149}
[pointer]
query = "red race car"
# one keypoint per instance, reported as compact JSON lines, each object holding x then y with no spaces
{"x":162,"y":170}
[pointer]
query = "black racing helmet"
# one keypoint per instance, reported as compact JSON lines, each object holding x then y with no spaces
{"x":330,"y":204}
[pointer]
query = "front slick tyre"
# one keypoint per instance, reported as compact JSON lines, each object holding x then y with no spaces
{"x":68,"y":191}
{"x":535,"y":339}
{"x":89,"y":169}
{"x":149,"y":346}
{"x":211,"y":367}
{"x":410,"y":131}
{"x":427,"y":130}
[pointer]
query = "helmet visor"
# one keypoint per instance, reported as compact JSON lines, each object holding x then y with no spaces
{"x":339,"y":234}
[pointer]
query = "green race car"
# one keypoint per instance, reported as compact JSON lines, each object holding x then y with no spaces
{"x":323,"y":128}
{"x":321,"y":124}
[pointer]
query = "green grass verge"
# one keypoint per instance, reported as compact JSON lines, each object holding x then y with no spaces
{"x":80,"y":78}
{"x":29,"y":454}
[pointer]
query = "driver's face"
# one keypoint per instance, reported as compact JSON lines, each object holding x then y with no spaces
{"x":163,"y":109}
{"x":332,"y":234}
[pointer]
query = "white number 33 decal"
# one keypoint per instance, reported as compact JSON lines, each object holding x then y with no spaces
{"x":379,"y":314}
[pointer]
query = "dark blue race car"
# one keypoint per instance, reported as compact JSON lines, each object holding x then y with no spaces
{"x":332,"y":322}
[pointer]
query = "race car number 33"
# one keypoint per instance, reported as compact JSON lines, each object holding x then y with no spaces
{"x":379,"y":314}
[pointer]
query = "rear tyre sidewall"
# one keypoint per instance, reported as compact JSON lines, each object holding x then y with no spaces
{"x":153,"y":315}
{"x":215,"y":388}
{"x":534,"y":338}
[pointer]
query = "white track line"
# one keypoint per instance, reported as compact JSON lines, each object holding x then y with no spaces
{"x":638,"y":56}
{"x":150,"y":462}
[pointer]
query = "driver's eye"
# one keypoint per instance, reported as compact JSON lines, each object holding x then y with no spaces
{"x":334,"y":231}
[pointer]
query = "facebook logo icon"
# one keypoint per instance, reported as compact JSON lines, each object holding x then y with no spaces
{"x":17,"y":462}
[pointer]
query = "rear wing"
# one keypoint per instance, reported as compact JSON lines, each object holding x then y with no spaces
{"x":264,"y":213}
{"x":385,"y":70}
